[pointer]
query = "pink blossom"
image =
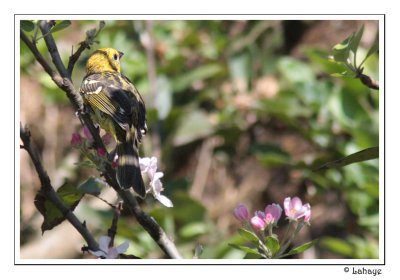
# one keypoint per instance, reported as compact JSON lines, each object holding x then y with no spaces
{"x":307,"y":215}
{"x":272,"y":213}
{"x":258,"y":223}
{"x":101,"y":152}
{"x":294,"y":209}
{"x":76,"y":139}
{"x":87,"y":134}
{"x":106,"y":138}
{"x":260,"y":214}
{"x":241,"y":213}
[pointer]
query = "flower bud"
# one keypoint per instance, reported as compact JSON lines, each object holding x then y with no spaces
{"x":272,"y":213}
{"x":241,"y":213}
{"x":257,"y":223}
{"x":101,"y":152}
{"x":76,"y":139}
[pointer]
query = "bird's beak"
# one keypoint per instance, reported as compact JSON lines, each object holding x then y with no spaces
{"x":120,"y":54}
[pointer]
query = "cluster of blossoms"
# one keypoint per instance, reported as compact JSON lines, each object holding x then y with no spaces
{"x":260,"y":227}
{"x":294,"y":210}
{"x":78,"y":141}
{"x":148,"y":166}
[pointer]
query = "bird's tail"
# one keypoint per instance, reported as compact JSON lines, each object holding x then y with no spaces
{"x":128,"y":171}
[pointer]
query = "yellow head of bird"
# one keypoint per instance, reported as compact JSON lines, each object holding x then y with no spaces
{"x":104,"y":60}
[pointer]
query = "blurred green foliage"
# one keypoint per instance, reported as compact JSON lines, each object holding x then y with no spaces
{"x":229,"y":79}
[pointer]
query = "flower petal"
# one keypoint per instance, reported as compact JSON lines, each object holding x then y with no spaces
{"x":123,"y":247}
{"x":257,"y":223}
{"x":307,"y":214}
{"x":112,"y":253}
{"x":296,"y":203}
{"x":286,"y":206}
{"x":98,"y":253}
{"x":164,"y":200}
{"x":104,"y":243}
{"x":158,"y":175}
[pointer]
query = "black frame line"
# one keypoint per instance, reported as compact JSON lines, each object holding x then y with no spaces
{"x":233,"y":261}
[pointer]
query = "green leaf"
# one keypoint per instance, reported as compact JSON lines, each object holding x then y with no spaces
{"x":364,"y":155}
{"x":248,"y":235}
{"x":270,"y":155}
{"x":272,"y":244}
{"x":200,"y":73}
{"x":52,"y":216}
{"x":346,"y":74}
{"x":301,"y":248}
{"x":86,"y":163}
{"x":90,"y":186}
{"x":245,"y":249}
{"x":355,"y":41}
{"x":69,"y":194}
{"x":163,"y":102}
{"x":341,"y":51}
{"x":338,"y":246}
{"x":193,"y":229}
{"x":60,"y":26}
{"x":373,"y":49}
{"x":185,"y":209}
{"x":295,"y":71}
{"x":27,"y":25}
{"x":194,"y":126}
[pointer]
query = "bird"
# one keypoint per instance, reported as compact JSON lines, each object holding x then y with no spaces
{"x":117,"y":106}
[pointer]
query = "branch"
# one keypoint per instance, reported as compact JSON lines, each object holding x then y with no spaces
{"x":52,"y":47}
{"x":64,"y":82}
{"x":49,"y":191}
{"x":366,"y":80}
{"x":150,"y":225}
{"x":112,"y":231}
{"x":90,"y":39}
{"x":32,"y":47}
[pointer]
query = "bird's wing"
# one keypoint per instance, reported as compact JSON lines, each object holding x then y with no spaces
{"x":139,"y":119}
{"x":106,"y":93}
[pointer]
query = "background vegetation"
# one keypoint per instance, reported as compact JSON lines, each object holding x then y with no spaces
{"x":238,"y":112}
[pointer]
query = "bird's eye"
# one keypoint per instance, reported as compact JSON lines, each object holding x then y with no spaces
{"x":115,"y":56}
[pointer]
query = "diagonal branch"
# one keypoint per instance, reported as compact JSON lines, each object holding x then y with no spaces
{"x":46,"y":66}
{"x":49,"y":191}
{"x":52,"y":47}
{"x":75,"y":56}
{"x":150,"y":225}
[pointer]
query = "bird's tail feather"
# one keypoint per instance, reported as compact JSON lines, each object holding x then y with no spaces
{"x":128,"y":171}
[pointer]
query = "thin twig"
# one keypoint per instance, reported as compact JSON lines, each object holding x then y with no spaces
{"x":75,"y":56}
{"x":49,"y":191}
{"x":112,"y":231}
{"x":366,"y":80}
